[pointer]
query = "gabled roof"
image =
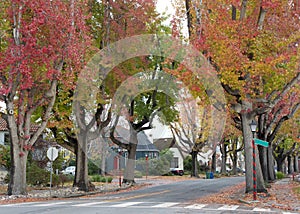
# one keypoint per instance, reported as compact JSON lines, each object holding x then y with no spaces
{"x":163,"y":143}
{"x":3,"y":126}
{"x":144,"y":144}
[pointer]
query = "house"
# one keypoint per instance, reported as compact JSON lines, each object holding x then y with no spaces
{"x":39,"y":148}
{"x":117,"y":157}
{"x":169,"y":143}
{"x":4,"y":134}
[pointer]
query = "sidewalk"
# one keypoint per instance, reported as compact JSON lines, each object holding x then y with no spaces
{"x":280,"y":196}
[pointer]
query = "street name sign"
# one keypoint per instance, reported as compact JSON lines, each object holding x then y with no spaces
{"x":261,"y":142}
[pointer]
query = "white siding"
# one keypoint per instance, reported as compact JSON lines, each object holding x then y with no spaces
{"x":2,"y":138}
{"x":177,"y":154}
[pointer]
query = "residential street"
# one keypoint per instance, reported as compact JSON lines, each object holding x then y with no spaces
{"x":175,"y":197}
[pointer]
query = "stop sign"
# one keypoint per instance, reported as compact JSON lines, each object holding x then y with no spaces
{"x":52,"y":153}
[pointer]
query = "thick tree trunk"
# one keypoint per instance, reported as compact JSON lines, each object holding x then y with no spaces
{"x":247,"y":138}
{"x":279,"y":163}
{"x":271,"y":168}
{"x":17,"y":183}
{"x":130,"y":165}
{"x":81,"y":177}
{"x":263,"y":162}
{"x":290,"y":164}
{"x":194,"y":172}
{"x":234,"y":162}
{"x":224,"y":156}
{"x":296,"y":163}
{"x":213,"y":162}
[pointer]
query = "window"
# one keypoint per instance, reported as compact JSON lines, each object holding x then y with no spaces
{"x":6,"y":139}
{"x":174,"y":162}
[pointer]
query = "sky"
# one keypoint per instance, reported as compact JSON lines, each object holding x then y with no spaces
{"x":165,"y":6}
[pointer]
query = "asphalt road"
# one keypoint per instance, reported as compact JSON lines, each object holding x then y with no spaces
{"x":167,"y":198}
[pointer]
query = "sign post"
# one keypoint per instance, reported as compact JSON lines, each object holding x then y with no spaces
{"x":52,"y":154}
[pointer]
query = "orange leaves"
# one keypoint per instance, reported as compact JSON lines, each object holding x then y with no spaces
{"x":267,"y":4}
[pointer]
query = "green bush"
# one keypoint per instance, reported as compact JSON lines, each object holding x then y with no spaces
{"x":99,"y":178}
{"x":5,"y":156}
{"x":279,"y":175}
{"x":106,"y":179}
{"x":93,"y":168}
{"x":187,"y":164}
{"x":36,"y":175}
{"x":96,"y":178}
{"x":138,"y":174}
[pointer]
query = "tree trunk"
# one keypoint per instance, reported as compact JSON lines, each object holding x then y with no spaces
{"x":271,"y":168}
{"x":263,"y":162}
{"x":17,"y":183}
{"x":188,"y":6}
{"x":296,"y":163}
{"x":81,"y":177}
{"x":290,"y":164}
{"x":224,"y":154}
{"x":194,"y":172}
{"x":103,"y":162}
{"x":130,"y":165}
{"x":234,"y":162}
{"x":247,"y":138}
{"x":279,"y":162}
{"x":213,"y":162}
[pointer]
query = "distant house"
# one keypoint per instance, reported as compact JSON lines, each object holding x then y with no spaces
{"x":145,"y":147}
{"x":169,"y":143}
{"x":39,"y":148}
{"x":117,"y":157}
{"x":4,"y":134}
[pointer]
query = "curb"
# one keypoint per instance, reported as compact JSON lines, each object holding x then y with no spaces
{"x":75,"y":195}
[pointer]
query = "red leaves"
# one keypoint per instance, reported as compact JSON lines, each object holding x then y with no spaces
{"x":267,"y":4}
{"x":43,"y":35}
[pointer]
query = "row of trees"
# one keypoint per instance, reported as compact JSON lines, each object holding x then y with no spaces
{"x":48,"y":47}
{"x":256,"y":55}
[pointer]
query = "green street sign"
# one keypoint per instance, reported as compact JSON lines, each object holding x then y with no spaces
{"x":261,"y":142}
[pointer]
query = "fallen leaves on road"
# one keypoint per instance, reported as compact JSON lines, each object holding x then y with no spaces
{"x":279,"y":196}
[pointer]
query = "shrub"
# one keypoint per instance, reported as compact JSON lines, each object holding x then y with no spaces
{"x":5,"y":156}
{"x":65,"y":178}
{"x":138,"y":174}
{"x":92,"y":168}
{"x":96,"y":178}
{"x":279,"y":175}
{"x":106,"y":179}
{"x":99,"y":178}
{"x":36,"y":175}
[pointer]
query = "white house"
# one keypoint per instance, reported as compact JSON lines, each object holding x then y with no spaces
{"x":4,"y":135}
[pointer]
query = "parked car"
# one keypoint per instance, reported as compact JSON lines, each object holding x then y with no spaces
{"x":177,"y":171}
{"x":69,"y":170}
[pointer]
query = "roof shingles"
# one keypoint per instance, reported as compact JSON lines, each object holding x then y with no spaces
{"x":3,"y":126}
